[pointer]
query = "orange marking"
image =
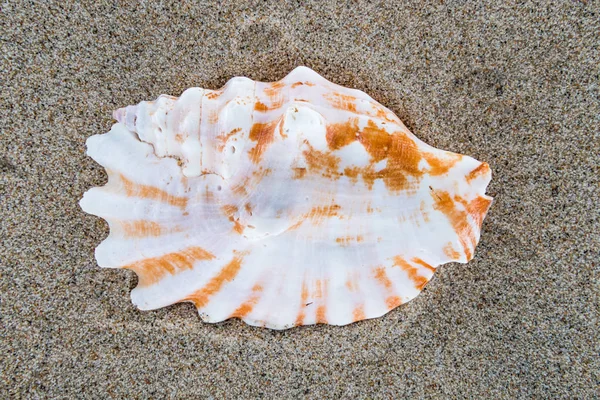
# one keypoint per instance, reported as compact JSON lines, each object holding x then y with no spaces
{"x":458,"y":219}
{"x":244,"y":309}
{"x":152,"y":270}
{"x":319,"y":290}
{"x":248,"y":208}
{"x":377,"y":141}
{"x":398,"y":148}
{"x":321,"y":318}
{"x":263,"y":135}
{"x":401,"y":151}
{"x":303,"y":298}
{"x":413,"y":272}
{"x":258,"y":106}
{"x":358,"y":314}
{"x":342,"y":134}
{"x":352,"y":282}
{"x":201,"y":297}
{"x":317,"y":214}
{"x":482,"y":169}
{"x":141,"y":228}
{"x":133,"y":189}
{"x":325,"y":163}
{"x":350,"y":285}
{"x":320,"y":293}
{"x":213,"y":117}
{"x":302,"y":83}
{"x":304,"y":292}
{"x":208,"y":195}
{"x":223,"y":139}
{"x":423,"y":264}
{"x":347,"y":240}
{"x":382,"y":277}
{"x":424,"y":212}
{"x":450,"y":252}
{"x":383,"y":114}
{"x":179,"y":138}
{"x":213,"y":94}
{"x":274,"y":89}
{"x":263,"y":172}
{"x":237,"y":227}
{"x":299,"y":173}
{"x":393,"y":302}
{"x":229,"y":209}
{"x":295,"y":226}
{"x":341,"y":101}
{"x":240,"y":189}
{"x":283,"y":135}
{"x":477,"y":208}
{"x":300,"y":319}
{"x":352,"y":173}
{"x":261,"y":107}
{"x":440,"y":166}
{"x":247,"y":307}
{"x":402,"y":154}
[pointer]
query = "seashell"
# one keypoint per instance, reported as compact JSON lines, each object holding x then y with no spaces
{"x":288,"y":203}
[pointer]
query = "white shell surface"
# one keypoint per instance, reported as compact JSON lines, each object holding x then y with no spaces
{"x":283,"y":204}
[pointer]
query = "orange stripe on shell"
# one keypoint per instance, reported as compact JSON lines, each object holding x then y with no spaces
{"x":152,"y":270}
{"x":457,"y":218}
{"x":201,"y":297}
{"x":246,"y":308}
{"x":412,"y":272}
{"x":133,"y":189}
{"x":482,"y":169}
{"x":141,"y":228}
{"x":303,"y":298}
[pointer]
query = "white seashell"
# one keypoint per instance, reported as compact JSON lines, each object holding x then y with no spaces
{"x":287,"y":203}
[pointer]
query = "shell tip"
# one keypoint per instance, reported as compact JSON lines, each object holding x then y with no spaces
{"x":303,"y":70}
{"x":119,"y":114}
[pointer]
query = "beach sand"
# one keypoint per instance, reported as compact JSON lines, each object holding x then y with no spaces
{"x":516,"y":86}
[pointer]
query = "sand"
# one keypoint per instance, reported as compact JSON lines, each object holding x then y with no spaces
{"x":514,"y":85}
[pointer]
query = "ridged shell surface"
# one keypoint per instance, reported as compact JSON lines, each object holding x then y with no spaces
{"x":288,"y":203}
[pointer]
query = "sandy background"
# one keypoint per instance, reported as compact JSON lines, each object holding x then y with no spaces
{"x":514,"y":85}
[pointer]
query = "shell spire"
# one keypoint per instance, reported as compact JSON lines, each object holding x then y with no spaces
{"x":287,"y":203}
